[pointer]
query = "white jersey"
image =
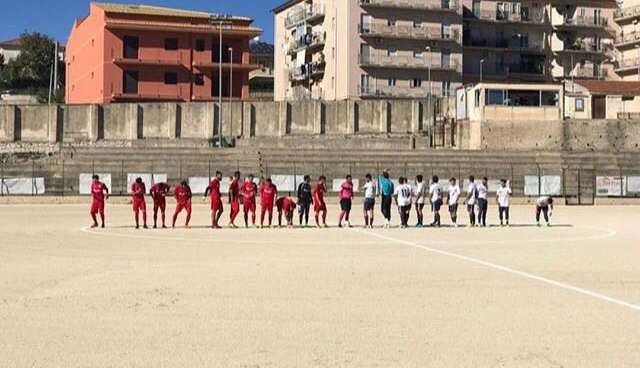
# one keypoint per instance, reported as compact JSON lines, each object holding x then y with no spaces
{"x":420,"y":192}
{"x":370,"y":190}
{"x":504,"y":194}
{"x":472,"y":190}
{"x":436,"y":192}
{"x":482,"y":191}
{"x":454,"y":194}
{"x":543,"y":201}
{"x":403,"y":193}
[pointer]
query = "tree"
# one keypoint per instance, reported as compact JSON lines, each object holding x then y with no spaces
{"x":31,"y":70}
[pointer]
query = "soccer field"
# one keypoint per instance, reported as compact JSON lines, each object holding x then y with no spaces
{"x":565,"y":296}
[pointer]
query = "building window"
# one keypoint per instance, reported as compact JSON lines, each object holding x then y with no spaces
{"x":130,"y":47}
{"x":416,"y":83}
{"x":171,"y":44}
{"x":417,"y":23}
{"x":130,"y":82}
{"x":170,"y":78}
{"x":446,"y":88}
{"x":199,"y":45}
{"x":392,"y":82}
{"x":391,"y":22}
{"x":392,"y":51}
{"x":199,"y":79}
{"x":580,"y":104}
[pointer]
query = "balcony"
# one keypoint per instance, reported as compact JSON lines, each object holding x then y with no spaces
{"x":585,"y":47}
{"x":528,"y":16}
{"x":372,"y":91}
{"x":236,"y":65}
{"x":435,"y":5}
{"x":308,"y":41}
{"x":595,"y":23}
{"x":628,"y":39}
{"x":507,"y":45}
{"x":148,"y":62}
{"x":307,"y":71}
{"x":409,"y":32}
{"x":587,"y":72}
{"x":526,"y":71}
{"x":628,"y":65}
{"x":409,"y":62}
{"x":627,"y":14}
{"x":308,"y":14}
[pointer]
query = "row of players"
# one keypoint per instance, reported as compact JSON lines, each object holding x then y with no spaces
{"x":405,"y":195}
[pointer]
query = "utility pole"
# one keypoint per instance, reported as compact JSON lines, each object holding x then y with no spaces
{"x":220,"y":21}
{"x":231,"y":88}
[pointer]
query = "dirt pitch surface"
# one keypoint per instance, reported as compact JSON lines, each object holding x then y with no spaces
{"x":565,"y":296}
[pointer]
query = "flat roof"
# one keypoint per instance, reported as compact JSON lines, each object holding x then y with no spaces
{"x":161,"y":11}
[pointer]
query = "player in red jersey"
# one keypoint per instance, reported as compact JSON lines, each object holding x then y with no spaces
{"x":216,"y":200}
{"x":268,"y":194}
{"x":234,"y":198}
{"x":159,"y":193}
{"x":138,"y":189}
{"x":183,"y":202}
{"x":99,"y":193}
{"x":286,"y":206}
{"x":249,"y":191}
{"x":318,"y":201}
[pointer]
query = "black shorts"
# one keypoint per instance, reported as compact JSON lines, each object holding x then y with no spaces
{"x":369,"y":204}
{"x":345,"y":204}
{"x":453,"y":208}
{"x":419,"y":206}
{"x":436,"y":205}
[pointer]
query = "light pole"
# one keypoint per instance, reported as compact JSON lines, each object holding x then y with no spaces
{"x":231,"y":88}
{"x":220,"y":22}
{"x":428,"y":50}
{"x":481,"y":67}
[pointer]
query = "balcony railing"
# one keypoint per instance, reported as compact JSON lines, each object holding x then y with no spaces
{"x":409,"y":62}
{"x":443,"y":5}
{"x":597,"y":22}
{"x":307,"y":14}
{"x":629,"y":63}
{"x":410,"y":32}
{"x":509,"y":44}
{"x":309,"y":70}
{"x":524,"y":16}
{"x":316,"y":39}
{"x":630,"y":37}
{"x":532,"y":70}
{"x":587,"y":46}
{"x":404,"y":91}
{"x":627,"y":13}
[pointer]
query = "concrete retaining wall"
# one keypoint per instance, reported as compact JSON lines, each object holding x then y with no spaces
{"x":163,"y":123}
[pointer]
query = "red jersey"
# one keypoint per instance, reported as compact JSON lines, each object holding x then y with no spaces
{"x":138,"y":191}
{"x":285,"y":204}
{"x":234,"y":190}
{"x":249,"y":191}
{"x":183,"y":194}
{"x":214,"y":188}
{"x":268,"y":193}
{"x":159,"y":191}
{"x":346,"y":190}
{"x":97,"y":191}
{"x":318,"y":192}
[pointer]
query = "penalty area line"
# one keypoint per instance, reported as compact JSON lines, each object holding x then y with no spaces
{"x":495,"y":266}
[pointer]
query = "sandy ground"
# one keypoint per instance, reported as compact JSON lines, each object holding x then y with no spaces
{"x":566,"y":296}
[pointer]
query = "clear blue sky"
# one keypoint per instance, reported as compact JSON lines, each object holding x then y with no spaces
{"x":55,"y":17}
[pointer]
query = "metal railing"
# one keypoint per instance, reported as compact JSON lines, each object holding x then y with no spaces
{"x":305,"y":14}
{"x":534,"y":17}
{"x":410,"y":32}
{"x":577,"y":184}
{"x":506,"y":44}
{"x":316,"y":39}
{"x":633,"y":11}
{"x":309,"y":70}
{"x":410,"y":62}
{"x":448,"y":5}
{"x":586,"y":21}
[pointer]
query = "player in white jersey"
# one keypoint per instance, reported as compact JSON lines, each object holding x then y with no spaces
{"x":483,"y":203}
{"x":503,"y":196}
{"x":472,"y":199}
{"x":420,"y":194}
{"x":370,"y":192}
{"x":403,"y":194}
{"x":453,"y":197}
{"x":436,"y":200}
{"x":544,"y":204}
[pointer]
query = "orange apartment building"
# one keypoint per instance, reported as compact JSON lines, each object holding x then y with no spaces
{"x":138,"y":53}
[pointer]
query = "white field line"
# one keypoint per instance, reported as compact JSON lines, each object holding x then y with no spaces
{"x":512,"y":271}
